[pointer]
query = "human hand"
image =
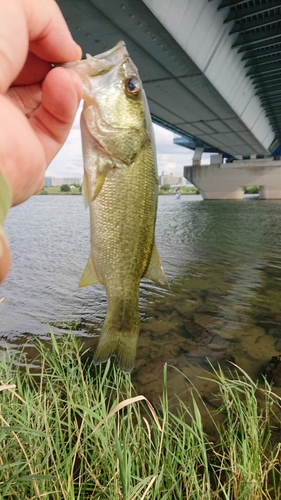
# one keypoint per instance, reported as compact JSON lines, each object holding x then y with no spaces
{"x":37,"y":103}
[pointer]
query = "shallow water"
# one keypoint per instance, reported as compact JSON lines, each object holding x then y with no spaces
{"x":222,"y":260}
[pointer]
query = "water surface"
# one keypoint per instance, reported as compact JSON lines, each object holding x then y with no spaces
{"x":222,"y":260}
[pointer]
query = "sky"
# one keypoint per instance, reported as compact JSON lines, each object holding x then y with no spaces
{"x":170,"y":157}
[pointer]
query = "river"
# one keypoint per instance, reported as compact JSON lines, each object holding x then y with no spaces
{"x":223,"y":263}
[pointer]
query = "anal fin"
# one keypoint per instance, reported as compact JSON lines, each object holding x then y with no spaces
{"x":155,"y":271}
{"x":89,"y":276}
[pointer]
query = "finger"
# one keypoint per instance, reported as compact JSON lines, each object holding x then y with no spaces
{"x":49,"y":35}
{"x":22,"y":158}
{"x":61,"y":94}
{"x":34,"y":70}
{"x":26,"y":97}
{"x":39,"y":26}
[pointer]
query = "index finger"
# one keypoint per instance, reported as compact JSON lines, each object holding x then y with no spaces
{"x":49,"y":35}
{"x":36,"y":26}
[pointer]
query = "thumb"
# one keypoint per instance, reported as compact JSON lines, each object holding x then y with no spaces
{"x":61,"y":94}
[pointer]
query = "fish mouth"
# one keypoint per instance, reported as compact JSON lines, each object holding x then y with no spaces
{"x":102,"y":63}
{"x":120,"y":46}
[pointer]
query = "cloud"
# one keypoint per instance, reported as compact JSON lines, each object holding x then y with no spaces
{"x":170,"y":157}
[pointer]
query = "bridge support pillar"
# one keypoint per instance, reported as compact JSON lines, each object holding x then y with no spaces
{"x":270,"y":192}
{"x":226,"y":181}
{"x":196,"y":160}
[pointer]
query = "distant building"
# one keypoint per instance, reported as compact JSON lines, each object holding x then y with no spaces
{"x":48,"y":182}
{"x":171,"y":180}
{"x":57,"y":181}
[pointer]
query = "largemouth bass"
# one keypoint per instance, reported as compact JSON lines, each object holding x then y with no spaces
{"x":120,"y":186}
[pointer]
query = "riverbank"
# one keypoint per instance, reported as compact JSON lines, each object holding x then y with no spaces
{"x":56,"y":191}
{"x":71,"y":430}
{"x":184,"y":190}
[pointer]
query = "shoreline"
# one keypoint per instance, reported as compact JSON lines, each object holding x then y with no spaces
{"x":80,"y":194}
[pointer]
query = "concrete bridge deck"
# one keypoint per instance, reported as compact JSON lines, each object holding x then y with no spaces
{"x":190,"y":58}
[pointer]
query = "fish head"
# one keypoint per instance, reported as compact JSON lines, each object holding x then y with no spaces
{"x":115,"y":110}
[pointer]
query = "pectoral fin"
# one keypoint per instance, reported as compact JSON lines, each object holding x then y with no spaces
{"x":85,"y":191}
{"x":89,"y":276}
{"x":99,"y":182}
{"x":98,"y":186}
{"x":108,"y":165}
{"x":155,"y":271}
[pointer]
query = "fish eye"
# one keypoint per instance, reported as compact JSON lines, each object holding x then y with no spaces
{"x":132,"y":86}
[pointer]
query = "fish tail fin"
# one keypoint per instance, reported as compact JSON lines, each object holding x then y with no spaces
{"x":120,"y":344}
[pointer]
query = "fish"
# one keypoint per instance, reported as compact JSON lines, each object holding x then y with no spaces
{"x":120,"y":187}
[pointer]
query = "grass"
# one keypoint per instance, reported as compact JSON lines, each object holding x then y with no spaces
{"x":251,"y":189}
{"x":56,"y":190}
{"x":73,"y":431}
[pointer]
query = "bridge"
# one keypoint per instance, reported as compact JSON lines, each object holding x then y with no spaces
{"x":211,"y":70}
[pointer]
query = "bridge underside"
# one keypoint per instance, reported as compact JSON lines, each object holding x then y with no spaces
{"x":195,"y":83}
